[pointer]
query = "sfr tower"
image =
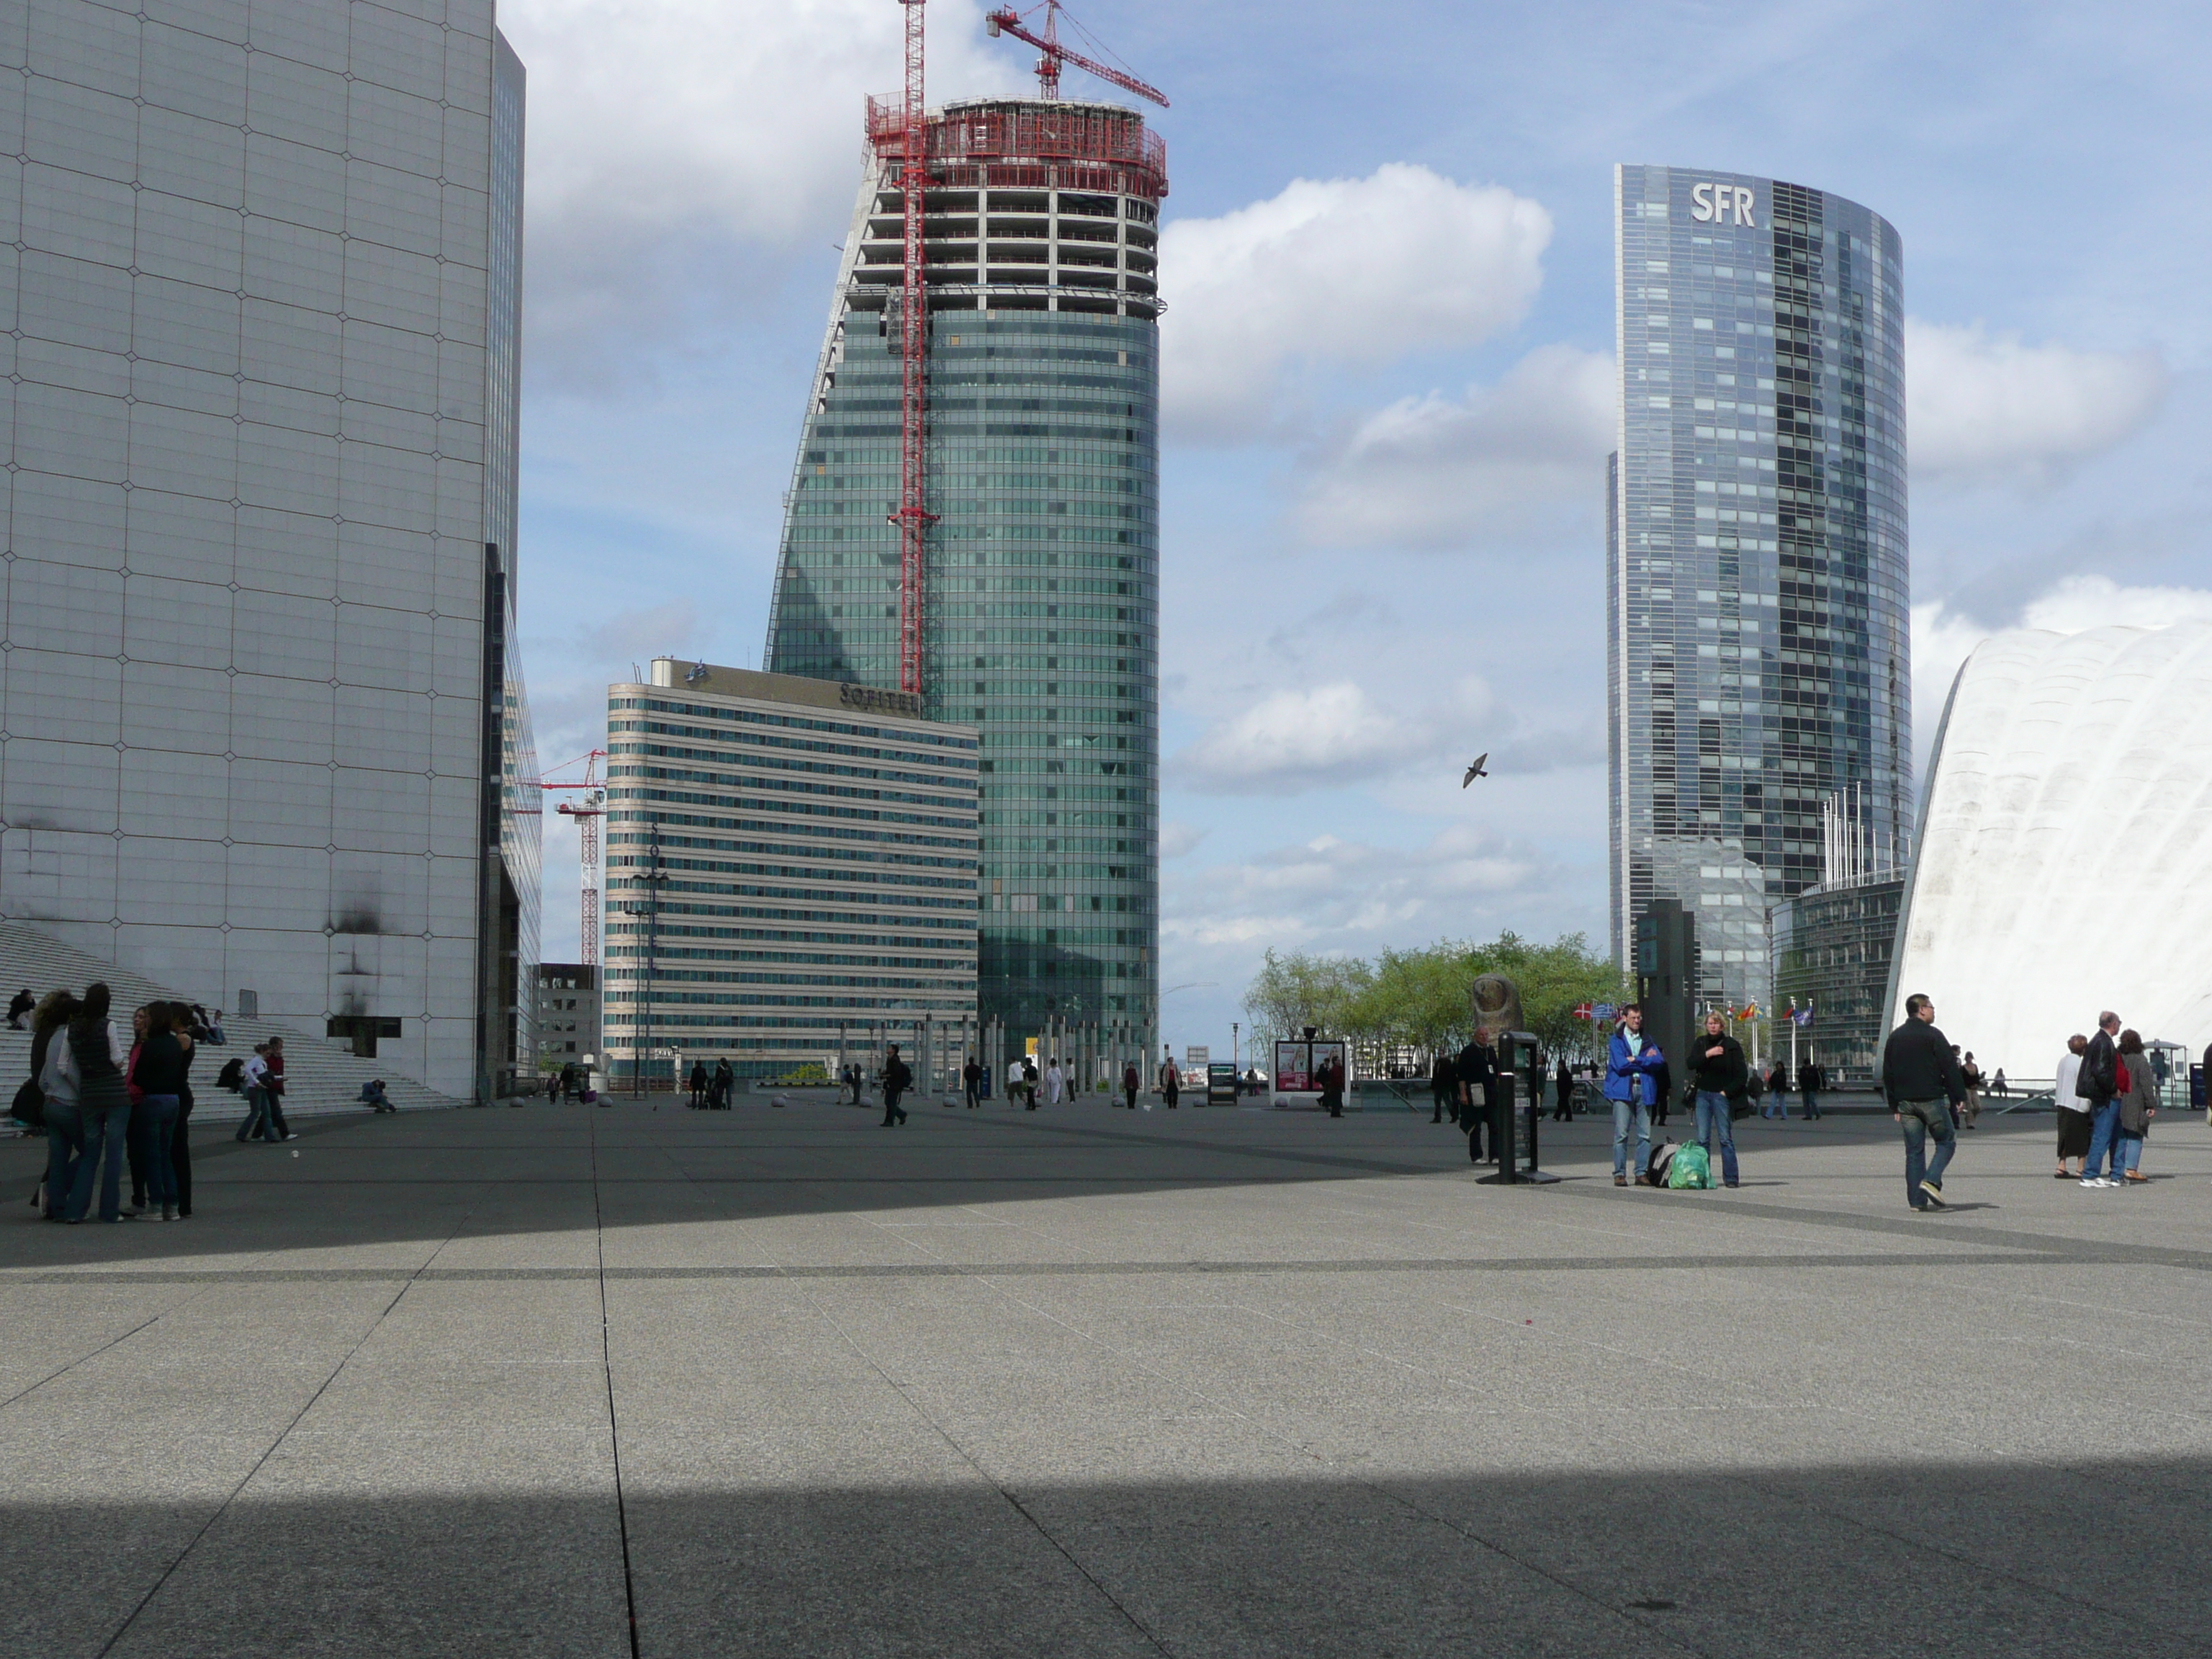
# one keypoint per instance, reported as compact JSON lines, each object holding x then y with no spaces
{"x":1039,"y":605}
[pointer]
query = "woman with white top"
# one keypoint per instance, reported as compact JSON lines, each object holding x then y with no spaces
{"x":2073,"y":1112}
{"x":58,"y":1083}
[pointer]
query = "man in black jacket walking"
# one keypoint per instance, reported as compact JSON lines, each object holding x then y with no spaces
{"x":1443,"y":1086}
{"x":897,"y":1077}
{"x":1920,"y":1078}
{"x":1475,"y":1081}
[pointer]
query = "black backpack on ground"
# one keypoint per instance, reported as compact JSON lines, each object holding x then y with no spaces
{"x":1654,"y":1171}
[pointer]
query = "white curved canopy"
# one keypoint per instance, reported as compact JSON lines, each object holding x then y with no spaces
{"x":2065,"y":864}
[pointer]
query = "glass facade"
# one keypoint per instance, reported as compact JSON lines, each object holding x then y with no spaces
{"x":791,"y":872}
{"x":263,"y":733}
{"x":1757,"y":652}
{"x":1831,"y":954}
{"x":1042,"y":618}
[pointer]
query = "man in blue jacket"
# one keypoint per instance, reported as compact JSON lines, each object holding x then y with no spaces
{"x":1631,"y":1062}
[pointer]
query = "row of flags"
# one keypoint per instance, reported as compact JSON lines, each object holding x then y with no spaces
{"x":1796,"y":1016}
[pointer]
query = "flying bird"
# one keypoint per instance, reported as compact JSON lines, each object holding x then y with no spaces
{"x":1475,"y":771}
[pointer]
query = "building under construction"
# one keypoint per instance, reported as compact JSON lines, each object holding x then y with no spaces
{"x":1035,"y":615}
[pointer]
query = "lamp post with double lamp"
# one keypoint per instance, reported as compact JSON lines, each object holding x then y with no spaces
{"x":654,"y":880}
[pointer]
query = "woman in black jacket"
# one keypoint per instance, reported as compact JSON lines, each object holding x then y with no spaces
{"x":160,"y":1075}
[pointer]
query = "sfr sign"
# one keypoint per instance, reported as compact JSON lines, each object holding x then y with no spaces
{"x":1721,"y":205}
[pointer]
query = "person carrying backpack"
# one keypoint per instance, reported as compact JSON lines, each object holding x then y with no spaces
{"x":1720,"y":1074}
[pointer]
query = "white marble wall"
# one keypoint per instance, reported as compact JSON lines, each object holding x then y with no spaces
{"x":242,"y":256}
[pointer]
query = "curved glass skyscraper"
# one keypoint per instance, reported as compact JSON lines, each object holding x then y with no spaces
{"x":1042,"y":622}
{"x":1758,"y":659}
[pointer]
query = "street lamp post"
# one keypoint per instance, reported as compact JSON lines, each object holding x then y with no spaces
{"x":654,"y":880}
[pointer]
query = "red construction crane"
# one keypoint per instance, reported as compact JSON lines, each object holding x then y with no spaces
{"x":587,"y":816}
{"x":914,"y":517}
{"x":1008,"y":20}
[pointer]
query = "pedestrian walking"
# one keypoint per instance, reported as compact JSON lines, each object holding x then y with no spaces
{"x":1563,"y":1089}
{"x":98,"y":1057}
{"x":1441,"y":1086}
{"x":971,"y":1083}
{"x":698,"y":1100}
{"x":1809,"y":1079}
{"x":1332,"y":1086}
{"x":1475,"y":1072}
{"x":1634,"y":1068}
{"x":1029,"y":1081}
{"x":1170,"y":1084}
{"x":722,"y":1087}
{"x":1663,"y":1091}
{"x":1970,"y":1074}
{"x":1718,"y":1065}
{"x":2073,"y":1113}
{"x":276,"y":1087}
{"x":2099,"y":1084}
{"x":56,"y":1075}
{"x":2138,"y":1102}
{"x":1055,"y":1082}
{"x":253,"y":1083}
{"x":896,"y":1078}
{"x":1130,"y":1084}
{"x":1920,"y":1079}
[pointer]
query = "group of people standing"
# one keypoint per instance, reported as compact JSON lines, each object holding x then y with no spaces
{"x":1637,"y":1080}
{"x":2106,"y":1094}
{"x":711,"y":1092}
{"x":106,"y":1106}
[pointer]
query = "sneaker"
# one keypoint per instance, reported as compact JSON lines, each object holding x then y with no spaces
{"x":1934,"y":1194}
{"x":2094,"y":1180}
{"x":1620,"y":1180}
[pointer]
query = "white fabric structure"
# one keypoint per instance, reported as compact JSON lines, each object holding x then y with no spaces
{"x":2064,"y":863}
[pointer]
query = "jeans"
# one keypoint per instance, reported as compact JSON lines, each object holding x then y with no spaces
{"x":1622,"y":1112}
{"x":138,"y":1145}
{"x":1769,"y":1105}
{"x":64,"y":1148}
{"x":159,"y":1112}
{"x":106,"y":1128}
{"x":1713,"y":1119}
{"x":2104,"y":1129}
{"x":258,"y":1102}
{"x":2127,"y":1153}
{"x":1920,"y":1119}
{"x":1812,"y":1105}
{"x":893,"y":1112}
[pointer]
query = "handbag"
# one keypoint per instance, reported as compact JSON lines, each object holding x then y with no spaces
{"x":30,"y":1107}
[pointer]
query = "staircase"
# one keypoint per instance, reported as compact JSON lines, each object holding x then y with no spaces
{"x":320,"y":1077}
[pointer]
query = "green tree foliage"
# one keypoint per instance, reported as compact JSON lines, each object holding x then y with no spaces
{"x":1423,"y":998}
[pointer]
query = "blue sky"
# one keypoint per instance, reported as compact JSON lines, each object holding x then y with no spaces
{"x":1387,"y":260}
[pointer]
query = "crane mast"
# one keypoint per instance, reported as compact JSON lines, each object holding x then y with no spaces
{"x":914,"y":517}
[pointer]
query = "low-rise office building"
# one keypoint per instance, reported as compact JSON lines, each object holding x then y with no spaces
{"x":791,"y":873}
{"x":567,"y":1013}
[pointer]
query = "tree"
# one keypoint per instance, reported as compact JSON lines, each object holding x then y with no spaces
{"x":1295,"y":990}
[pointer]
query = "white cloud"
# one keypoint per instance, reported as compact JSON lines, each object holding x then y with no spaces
{"x":1177,"y":839}
{"x":1982,"y":407}
{"x":1318,"y":737}
{"x":667,"y":141}
{"x":1437,"y":472}
{"x":1353,"y":272}
{"x":1332,"y":894}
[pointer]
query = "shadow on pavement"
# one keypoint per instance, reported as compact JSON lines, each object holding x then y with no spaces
{"x":1948,"y":1558}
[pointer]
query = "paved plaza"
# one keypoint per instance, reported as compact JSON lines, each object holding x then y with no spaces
{"x":563,"y":1381}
